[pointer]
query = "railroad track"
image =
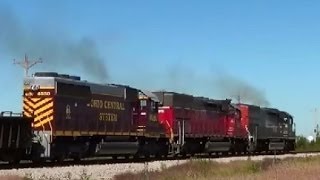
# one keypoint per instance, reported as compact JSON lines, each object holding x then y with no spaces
{"x":101,"y":161}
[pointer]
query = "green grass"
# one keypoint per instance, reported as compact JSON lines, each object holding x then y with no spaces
{"x":302,"y":144}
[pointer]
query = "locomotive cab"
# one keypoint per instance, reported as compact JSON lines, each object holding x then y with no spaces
{"x":289,"y":130}
{"x":148,"y":111}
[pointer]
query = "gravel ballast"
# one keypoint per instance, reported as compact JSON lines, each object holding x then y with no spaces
{"x":107,"y":171}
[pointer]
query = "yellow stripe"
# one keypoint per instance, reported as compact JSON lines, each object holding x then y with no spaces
{"x":35,"y":106}
{"x":43,"y":102}
{"x":79,"y":133}
{"x":50,"y":105}
{"x":41,"y":88}
{"x":35,"y":99}
{"x":25,"y":106}
{"x":38,"y":118}
{"x":27,"y":114}
{"x":44,"y":121}
{"x":27,"y":102}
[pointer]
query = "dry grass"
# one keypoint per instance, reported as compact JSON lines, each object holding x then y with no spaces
{"x":298,"y":168}
{"x":11,"y":178}
{"x":291,"y":169}
{"x":200,"y":169}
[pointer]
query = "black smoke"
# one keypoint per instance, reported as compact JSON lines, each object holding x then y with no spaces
{"x":58,"y":50}
{"x":237,"y":89}
{"x":218,"y":83}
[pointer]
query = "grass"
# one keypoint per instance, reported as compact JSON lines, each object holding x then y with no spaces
{"x":309,"y":147}
{"x":290,"y":168}
{"x":201,"y":169}
{"x":302,"y":144}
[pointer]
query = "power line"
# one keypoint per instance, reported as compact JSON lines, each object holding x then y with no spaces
{"x":26,"y":64}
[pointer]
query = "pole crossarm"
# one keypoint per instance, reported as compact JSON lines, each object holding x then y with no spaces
{"x":26,"y":64}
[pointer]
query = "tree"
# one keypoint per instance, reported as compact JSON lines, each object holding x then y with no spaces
{"x":301,"y":142}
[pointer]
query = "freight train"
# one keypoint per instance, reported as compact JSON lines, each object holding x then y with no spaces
{"x":67,"y":117}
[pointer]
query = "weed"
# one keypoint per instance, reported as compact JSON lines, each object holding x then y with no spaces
{"x":68,"y":176}
{"x":163,"y":166}
{"x":28,"y":176}
{"x":84,"y":175}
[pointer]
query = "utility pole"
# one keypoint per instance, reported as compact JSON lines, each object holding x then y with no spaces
{"x":239,"y":98}
{"x":316,"y":126}
{"x":26,"y":64}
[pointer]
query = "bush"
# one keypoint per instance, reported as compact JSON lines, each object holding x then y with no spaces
{"x":302,"y":144}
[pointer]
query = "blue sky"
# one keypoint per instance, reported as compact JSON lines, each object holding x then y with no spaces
{"x":181,"y":45}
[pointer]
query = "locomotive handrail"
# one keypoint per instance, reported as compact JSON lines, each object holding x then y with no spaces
{"x":3,"y":113}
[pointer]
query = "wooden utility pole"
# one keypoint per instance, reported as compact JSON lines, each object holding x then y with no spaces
{"x":239,"y":98}
{"x":26,"y":64}
{"x":316,"y":127}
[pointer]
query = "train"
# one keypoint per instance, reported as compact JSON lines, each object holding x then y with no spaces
{"x":65,"y":117}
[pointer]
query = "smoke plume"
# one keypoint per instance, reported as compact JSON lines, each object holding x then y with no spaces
{"x":58,"y":50}
{"x":235,"y":88}
{"x":216,"y":84}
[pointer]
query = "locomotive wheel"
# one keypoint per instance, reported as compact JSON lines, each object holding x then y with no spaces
{"x":213,"y":155}
{"x":37,"y":161}
{"x":233,"y":152}
{"x":147,"y":156}
{"x":60,"y":158}
{"x":183,"y":154}
{"x":77,"y":159}
{"x":158,"y":155}
{"x":136,"y":156}
{"x":14,"y":161}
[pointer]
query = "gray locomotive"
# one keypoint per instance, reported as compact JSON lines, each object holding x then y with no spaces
{"x":269,"y":129}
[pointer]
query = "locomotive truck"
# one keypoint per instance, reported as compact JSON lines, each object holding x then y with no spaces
{"x":74,"y":118}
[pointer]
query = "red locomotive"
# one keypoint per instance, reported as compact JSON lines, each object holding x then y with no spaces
{"x":198,"y":124}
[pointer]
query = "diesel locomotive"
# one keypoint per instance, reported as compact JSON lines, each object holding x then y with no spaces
{"x":74,"y":118}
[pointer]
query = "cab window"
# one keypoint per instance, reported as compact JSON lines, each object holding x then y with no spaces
{"x":143,"y":103}
{"x":154,"y":106}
